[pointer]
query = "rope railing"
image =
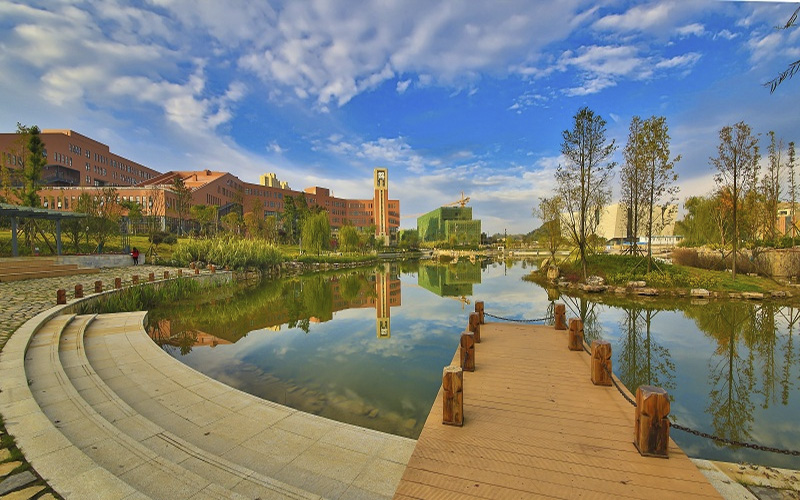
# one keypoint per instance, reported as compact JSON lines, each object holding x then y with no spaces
{"x":715,"y":438}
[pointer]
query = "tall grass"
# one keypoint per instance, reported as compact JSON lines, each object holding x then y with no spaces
{"x":140,"y":298}
{"x":230,"y":252}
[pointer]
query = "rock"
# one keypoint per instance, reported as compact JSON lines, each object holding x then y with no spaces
{"x":700,"y":293}
{"x":620,"y":290}
{"x":637,"y":284}
{"x":25,"y":494}
{"x":16,"y":481}
{"x":752,"y":295}
{"x":373,"y":413}
{"x":6,"y":468}
{"x":563,"y":284}
{"x":700,"y":302}
{"x":5,"y":454}
{"x":592,"y":288}
{"x":734,"y":295}
{"x":553,"y":273}
{"x":778,"y":294}
{"x":595,"y":280}
{"x":647,"y":292}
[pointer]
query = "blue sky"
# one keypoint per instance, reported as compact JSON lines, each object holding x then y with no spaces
{"x":450,"y":96}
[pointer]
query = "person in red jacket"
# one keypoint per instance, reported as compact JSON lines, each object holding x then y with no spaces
{"x":135,"y":256}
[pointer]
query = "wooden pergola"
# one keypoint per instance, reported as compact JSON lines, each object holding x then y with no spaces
{"x":16,"y":212}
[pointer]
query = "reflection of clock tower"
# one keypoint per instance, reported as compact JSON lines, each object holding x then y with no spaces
{"x":382,"y":307}
{"x":381,"y":205}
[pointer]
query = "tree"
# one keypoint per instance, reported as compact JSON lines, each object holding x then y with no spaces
{"x":316,"y":232}
{"x":549,"y":235}
{"x":771,"y":183}
{"x":793,"y":67}
{"x":408,"y":239}
{"x":134,"y":212}
{"x":31,"y":151}
{"x":348,"y":238}
{"x":183,"y":201}
{"x":104,"y":215}
{"x":790,"y":165}
{"x":204,"y":215}
{"x":233,"y":222}
{"x":659,"y":176}
{"x":583,"y":181}
{"x":737,"y":168}
{"x":634,"y":196}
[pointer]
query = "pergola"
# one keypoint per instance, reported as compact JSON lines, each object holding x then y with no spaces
{"x":16,"y":212}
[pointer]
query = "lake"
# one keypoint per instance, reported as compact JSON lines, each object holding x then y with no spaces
{"x":367,"y":347}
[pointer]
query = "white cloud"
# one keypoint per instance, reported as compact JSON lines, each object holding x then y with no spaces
{"x":638,"y":18}
{"x":402,"y":86}
{"x":694,"y":29}
{"x":682,"y":61}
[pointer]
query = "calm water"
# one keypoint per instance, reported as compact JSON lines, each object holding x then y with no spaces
{"x":368,"y":346}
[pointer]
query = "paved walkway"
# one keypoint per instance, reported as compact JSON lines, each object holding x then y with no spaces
{"x":536,"y":427}
{"x":19,"y":302}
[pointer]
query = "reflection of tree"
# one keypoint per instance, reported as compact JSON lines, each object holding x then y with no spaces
{"x":791,"y":316}
{"x":186,"y":339}
{"x":585,"y":310}
{"x":642,"y":360}
{"x":732,"y":378}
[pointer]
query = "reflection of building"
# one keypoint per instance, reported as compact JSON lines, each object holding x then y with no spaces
{"x":450,"y":224}
{"x":450,"y":281}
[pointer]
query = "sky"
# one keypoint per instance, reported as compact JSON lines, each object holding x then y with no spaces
{"x":450,"y":96}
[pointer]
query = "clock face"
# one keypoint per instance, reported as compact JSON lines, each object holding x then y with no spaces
{"x":381,"y":175}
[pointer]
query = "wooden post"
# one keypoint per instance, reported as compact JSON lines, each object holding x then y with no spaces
{"x":117,"y":283}
{"x":151,"y":277}
{"x":98,"y":286}
{"x":601,"y":362}
{"x":61,"y":296}
{"x":213,"y":268}
{"x":479,"y":310}
{"x":651,"y":428}
{"x":453,"y":396}
{"x":196,"y":270}
{"x":78,"y":291}
{"x":475,"y":326}
{"x":191,"y":265}
{"x":561,"y":317}
{"x":575,"y":334}
{"x":166,"y":275}
{"x":468,"y":351}
{"x":180,"y":272}
{"x":135,"y":279}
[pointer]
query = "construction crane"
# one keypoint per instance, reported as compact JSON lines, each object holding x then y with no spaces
{"x":462,"y":202}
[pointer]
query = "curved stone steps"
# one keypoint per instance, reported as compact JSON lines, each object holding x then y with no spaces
{"x":136,"y":471}
{"x":320,"y":456}
{"x":224,"y":473}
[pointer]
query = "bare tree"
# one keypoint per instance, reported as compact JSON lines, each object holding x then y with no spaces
{"x":737,"y":168}
{"x":790,"y":165}
{"x":183,"y":201}
{"x":583,"y":181}
{"x":771,"y":183}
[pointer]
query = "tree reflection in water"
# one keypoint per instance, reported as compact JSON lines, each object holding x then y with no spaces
{"x":641,"y":359}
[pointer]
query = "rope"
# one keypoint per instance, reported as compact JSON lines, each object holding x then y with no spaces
{"x":718,"y":439}
{"x":546,"y":318}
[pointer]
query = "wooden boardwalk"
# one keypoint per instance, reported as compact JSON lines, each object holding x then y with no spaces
{"x":536,"y":427}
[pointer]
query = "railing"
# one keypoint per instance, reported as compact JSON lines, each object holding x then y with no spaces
{"x":651,"y":424}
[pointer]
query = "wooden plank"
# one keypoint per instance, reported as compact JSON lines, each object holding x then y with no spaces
{"x":536,"y":427}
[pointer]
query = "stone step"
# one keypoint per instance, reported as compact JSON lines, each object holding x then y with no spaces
{"x":321,"y":456}
{"x":224,"y":473}
{"x":134,"y":470}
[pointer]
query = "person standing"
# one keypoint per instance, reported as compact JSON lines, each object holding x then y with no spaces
{"x":135,"y":256}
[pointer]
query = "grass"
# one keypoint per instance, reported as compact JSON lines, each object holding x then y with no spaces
{"x":139,"y":298}
{"x":618,"y":270}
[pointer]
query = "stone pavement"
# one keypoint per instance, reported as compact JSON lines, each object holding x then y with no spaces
{"x":19,"y":302}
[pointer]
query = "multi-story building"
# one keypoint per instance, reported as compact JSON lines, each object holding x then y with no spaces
{"x":76,"y":160}
{"x":449,"y":224}
{"x":612,"y":225}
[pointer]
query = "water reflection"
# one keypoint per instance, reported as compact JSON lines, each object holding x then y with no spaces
{"x":367,"y":347}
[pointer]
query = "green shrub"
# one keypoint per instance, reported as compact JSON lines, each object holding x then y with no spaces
{"x":230,"y":252}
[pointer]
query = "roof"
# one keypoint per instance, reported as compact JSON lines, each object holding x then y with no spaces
{"x":37,"y":213}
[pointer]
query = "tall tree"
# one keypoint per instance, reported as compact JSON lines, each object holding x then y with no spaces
{"x":583,"y":180}
{"x":549,"y":212}
{"x":790,"y":167}
{"x":183,"y":201}
{"x":33,"y":161}
{"x":348,"y":238}
{"x":632,"y":177}
{"x":771,"y":183}
{"x":659,"y":185}
{"x":316,"y":232}
{"x":737,"y":168}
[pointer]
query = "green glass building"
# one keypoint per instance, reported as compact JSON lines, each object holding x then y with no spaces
{"x":450,"y":224}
